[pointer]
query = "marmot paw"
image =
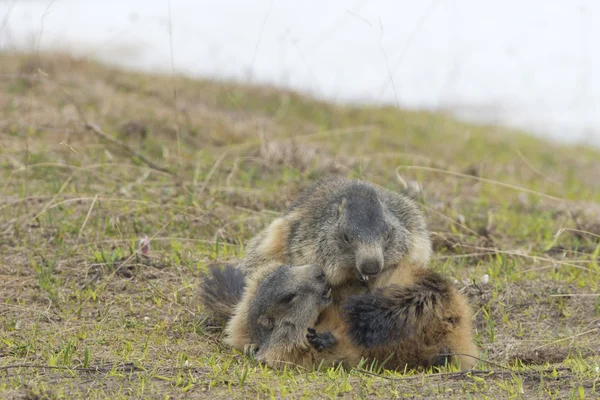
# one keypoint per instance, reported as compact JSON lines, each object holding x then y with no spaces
{"x":320,"y":341}
{"x":251,"y":350}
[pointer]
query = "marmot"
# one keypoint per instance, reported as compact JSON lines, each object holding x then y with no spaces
{"x":275,"y":316}
{"x":374,"y":247}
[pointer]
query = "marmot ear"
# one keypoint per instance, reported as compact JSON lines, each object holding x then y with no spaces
{"x":264,"y":321}
{"x":341,"y":206}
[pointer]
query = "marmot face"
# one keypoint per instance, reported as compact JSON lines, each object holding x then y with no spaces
{"x":287,"y":302}
{"x":367,"y":238}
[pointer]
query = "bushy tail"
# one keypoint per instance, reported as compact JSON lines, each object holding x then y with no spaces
{"x":392,"y":313}
{"x":426,"y":323}
{"x":222,"y":290}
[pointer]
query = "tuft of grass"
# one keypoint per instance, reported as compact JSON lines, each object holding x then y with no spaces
{"x":515,"y":221}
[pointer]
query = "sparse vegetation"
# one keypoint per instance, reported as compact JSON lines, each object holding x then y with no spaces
{"x":84,"y":312}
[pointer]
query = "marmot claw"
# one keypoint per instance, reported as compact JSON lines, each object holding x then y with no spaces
{"x":320,"y":341}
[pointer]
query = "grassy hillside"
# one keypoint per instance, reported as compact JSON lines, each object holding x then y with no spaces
{"x":93,"y":159}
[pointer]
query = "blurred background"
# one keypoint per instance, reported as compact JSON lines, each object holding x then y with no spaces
{"x":529,"y":64}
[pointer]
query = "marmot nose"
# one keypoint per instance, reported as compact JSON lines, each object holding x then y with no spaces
{"x":370,"y":267}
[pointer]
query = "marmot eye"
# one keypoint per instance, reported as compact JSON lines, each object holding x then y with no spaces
{"x":388,"y":235}
{"x":289,"y":298}
{"x":346,"y":239}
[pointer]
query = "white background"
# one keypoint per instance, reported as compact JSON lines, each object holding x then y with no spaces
{"x":528,"y":63}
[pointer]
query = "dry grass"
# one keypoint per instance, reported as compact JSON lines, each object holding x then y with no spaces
{"x":84,"y":314}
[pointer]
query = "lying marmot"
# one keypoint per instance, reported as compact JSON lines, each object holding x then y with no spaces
{"x":275,"y":316}
{"x":374,"y":247}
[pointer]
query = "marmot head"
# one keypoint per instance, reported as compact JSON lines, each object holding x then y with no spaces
{"x":362,"y":236}
{"x":287,"y":302}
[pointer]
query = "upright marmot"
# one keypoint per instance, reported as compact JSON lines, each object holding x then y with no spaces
{"x":374,"y":247}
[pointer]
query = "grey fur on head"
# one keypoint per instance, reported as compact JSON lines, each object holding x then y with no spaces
{"x":287,"y":302}
{"x":360,"y":228}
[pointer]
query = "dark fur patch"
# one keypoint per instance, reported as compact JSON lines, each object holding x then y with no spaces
{"x":365,"y":217}
{"x":393,"y":313}
{"x":434,"y":282}
{"x":370,"y":318}
{"x":222,"y":290}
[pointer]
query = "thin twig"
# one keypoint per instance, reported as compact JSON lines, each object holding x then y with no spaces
{"x":533,"y":257}
{"x":561,"y":230}
{"x":212,"y":171}
{"x":175,"y":113}
{"x":534,"y":169}
{"x":474,"y":372}
{"x":127,"y":367}
{"x":492,"y":181}
{"x":258,"y":40}
{"x":407,"y":46}
{"x":567,"y":338}
{"x":62,"y":188}
{"x":506,"y":371}
{"x":123,"y":367}
{"x":86,"y":219}
{"x":96,"y":129}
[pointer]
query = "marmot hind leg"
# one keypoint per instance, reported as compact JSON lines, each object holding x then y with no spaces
{"x":419,"y":322}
